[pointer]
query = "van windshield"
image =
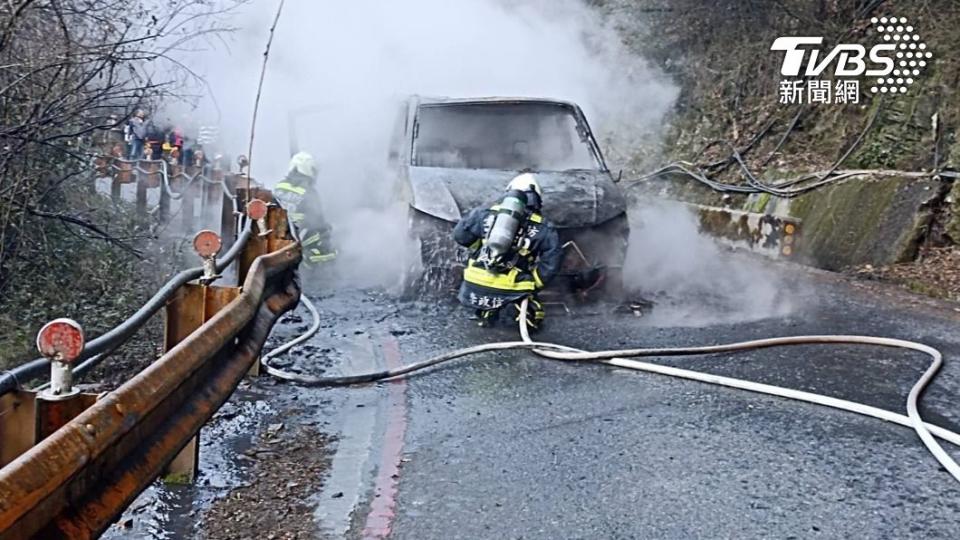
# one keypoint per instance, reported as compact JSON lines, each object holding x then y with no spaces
{"x":505,"y":136}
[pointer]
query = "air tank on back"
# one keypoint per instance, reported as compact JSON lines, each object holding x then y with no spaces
{"x":502,"y":233}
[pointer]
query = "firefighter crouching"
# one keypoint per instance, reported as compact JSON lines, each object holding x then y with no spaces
{"x":514,"y":253}
{"x":298,"y":193}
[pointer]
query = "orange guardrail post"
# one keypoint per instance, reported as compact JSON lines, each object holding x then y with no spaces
{"x":142,"y":181}
{"x":272,"y":233}
{"x":163,"y":209}
{"x":17,"y":424}
{"x":26,"y":417}
{"x":188,"y":192}
{"x":210,"y":197}
{"x":259,"y":207}
{"x":194,"y":304}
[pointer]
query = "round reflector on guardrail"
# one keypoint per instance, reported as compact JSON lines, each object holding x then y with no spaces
{"x":257,"y":209}
{"x":207,"y":243}
{"x":61,"y":339}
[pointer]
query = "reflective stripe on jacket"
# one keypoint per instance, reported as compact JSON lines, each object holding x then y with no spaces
{"x":300,"y":199}
{"x":512,"y":280}
{"x":538,"y":254}
{"x":536,"y":260}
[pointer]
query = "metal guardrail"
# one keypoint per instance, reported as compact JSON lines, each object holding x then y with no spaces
{"x":176,"y":182}
{"x":88,"y":457}
{"x":98,"y":349}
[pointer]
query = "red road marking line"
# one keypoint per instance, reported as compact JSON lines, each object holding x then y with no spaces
{"x":383,"y":508}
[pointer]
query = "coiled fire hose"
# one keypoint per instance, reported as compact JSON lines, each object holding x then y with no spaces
{"x":618,"y":358}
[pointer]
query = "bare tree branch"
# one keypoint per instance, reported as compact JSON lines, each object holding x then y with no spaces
{"x":70,"y":72}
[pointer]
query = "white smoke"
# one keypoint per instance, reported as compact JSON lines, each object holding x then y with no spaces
{"x":693,"y":279}
{"x":350,"y":61}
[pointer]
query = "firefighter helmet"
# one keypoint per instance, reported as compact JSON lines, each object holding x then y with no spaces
{"x":528,"y":184}
{"x":304,"y":164}
{"x":525,"y":182}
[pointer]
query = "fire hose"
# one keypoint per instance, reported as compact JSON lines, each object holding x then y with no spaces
{"x":619,"y":358}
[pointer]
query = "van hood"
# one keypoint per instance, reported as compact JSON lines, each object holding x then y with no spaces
{"x":577,"y":198}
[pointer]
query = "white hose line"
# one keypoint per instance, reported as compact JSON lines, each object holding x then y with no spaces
{"x":298,"y":340}
{"x":386,"y":374}
{"x":913,"y":418}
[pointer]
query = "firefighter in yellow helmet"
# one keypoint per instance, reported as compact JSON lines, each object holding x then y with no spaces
{"x":515,"y":252}
{"x":297,"y":192}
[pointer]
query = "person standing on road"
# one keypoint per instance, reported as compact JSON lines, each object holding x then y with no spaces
{"x":298,"y":194}
{"x":514,"y":253}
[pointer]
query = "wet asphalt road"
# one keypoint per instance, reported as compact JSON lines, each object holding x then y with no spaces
{"x":512,"y":446}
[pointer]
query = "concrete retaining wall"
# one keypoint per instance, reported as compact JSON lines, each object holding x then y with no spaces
{"x":858,"y":221}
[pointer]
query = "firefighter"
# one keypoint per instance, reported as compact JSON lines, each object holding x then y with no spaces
{"x":514,"y":253}
{"x":298,"y":193}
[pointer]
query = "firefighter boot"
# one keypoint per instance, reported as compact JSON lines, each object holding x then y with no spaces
{"x":535,"y":314}
{"x":486,"y":317}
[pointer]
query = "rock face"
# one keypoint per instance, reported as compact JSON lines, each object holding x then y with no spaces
{"x":865,"y":221}
{"x":952,"y":207}
{"x":876,"y":221}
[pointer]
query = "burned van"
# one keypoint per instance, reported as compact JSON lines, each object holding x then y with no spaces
{"x":451,"y":155}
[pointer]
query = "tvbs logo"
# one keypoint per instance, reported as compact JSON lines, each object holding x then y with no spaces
{"x":892,"y":64}
{"x":848,"y":59}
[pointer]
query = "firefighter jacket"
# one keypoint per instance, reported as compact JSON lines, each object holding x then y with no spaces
{"x":536,"y":259}
{"x":298,"y":195}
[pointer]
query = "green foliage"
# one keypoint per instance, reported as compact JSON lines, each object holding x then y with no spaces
{"x":719,"y":53}
{"x":71,"y":71}
{"x":91,"y":281}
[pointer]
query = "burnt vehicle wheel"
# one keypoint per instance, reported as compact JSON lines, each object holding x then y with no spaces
{"x":438,"y":260}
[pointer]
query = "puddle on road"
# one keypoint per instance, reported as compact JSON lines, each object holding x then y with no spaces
{"x":166,"y":511}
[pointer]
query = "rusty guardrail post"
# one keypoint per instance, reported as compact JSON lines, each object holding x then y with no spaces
{"x":123,"y":174}
{"x":144,"y":176}
{"x":156,"y":170}
{"x":17,"y":424}
{"x":272,"y":231}
{"x":163,"y":210}
{"x":27,"y":417}
{"x":194,"y":304}
{"x":141,"y":195}
{"x":61,"y":341}
{"x":105,"y":165}
{"x":101,"y":165}
{"x":270,"y":224}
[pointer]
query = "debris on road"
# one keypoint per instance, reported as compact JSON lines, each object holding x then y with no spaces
{"x":270,"y":504}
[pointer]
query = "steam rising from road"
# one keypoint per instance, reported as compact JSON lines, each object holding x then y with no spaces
{"x":694,"y":280}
